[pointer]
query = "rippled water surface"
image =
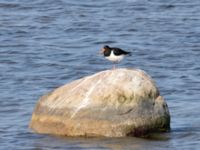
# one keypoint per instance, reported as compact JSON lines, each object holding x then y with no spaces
{"x":45,"y":44}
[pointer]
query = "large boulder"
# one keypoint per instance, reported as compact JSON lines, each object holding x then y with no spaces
{"x":112,"y":103}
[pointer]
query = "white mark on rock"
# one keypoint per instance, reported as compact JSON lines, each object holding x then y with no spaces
{"x":86,"y":99}
{"x":73,"y":91}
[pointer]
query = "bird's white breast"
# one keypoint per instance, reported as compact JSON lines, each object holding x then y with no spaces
{"x":115,"y":58}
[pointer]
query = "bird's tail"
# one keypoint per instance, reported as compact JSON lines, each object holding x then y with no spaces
{"x":129,"y":54}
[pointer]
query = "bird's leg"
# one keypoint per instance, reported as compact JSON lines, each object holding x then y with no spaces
{"x":114,"y":66}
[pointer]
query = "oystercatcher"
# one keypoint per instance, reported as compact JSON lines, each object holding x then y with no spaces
{"x":114,"y":54}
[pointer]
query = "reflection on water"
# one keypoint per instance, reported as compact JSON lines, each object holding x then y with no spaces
{"x":44,"y":45}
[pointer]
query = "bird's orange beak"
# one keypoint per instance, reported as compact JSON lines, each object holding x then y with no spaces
{"x":101,"y":51}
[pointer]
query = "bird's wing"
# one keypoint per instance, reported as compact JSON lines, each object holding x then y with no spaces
{"x":118,"y":51}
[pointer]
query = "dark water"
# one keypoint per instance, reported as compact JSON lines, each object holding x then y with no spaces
{"x":45,"y":44}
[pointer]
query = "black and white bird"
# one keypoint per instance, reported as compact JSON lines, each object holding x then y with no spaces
{"x":114,"y":54}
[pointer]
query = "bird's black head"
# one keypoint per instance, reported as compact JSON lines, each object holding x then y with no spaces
{"x":106,"y":47}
